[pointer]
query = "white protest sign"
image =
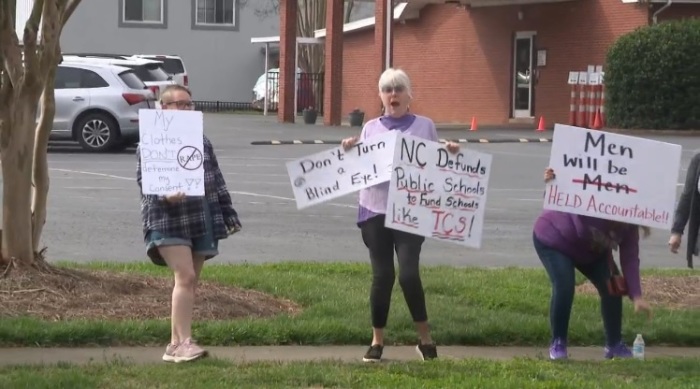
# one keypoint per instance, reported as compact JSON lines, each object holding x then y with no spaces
{"x":334,"y":173}
{"x":436,"y":194}
{"x":171,"y":146}
{"x":612,"y":176}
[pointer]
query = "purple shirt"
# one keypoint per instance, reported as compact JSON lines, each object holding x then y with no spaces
{"x":373,"y":200}
{"x":574,"y":236}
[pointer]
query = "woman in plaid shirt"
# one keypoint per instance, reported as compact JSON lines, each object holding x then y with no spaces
{"x":182,"y":232}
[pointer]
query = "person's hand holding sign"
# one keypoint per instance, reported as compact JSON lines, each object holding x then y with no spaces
{"x":348,"y":143}
{"x":549,"y":174}
{"x":452,"y":147}
{"x":174,"y":198}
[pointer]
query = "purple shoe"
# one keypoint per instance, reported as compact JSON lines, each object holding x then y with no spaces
{"x":557,"y":350}
{"x":617,"y":351}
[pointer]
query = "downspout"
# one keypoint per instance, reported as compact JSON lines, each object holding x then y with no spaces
{"x":654,"y":17}
{"x":389,"y":25}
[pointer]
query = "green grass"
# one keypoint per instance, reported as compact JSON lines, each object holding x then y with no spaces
{"x":518,"y":373}
{"x":467,"y":306}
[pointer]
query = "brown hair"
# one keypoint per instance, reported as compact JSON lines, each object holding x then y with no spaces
{"x":646,"y":231}
{"x":174,"y":88}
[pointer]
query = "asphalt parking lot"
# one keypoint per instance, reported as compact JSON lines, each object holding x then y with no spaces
{"x":94,"y":201}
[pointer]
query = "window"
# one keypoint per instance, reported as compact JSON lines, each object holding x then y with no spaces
{"x":143,"y":13}
{"x":132,"y":80}
{"x":170,"y":65}
{"x":215,"y":14}
{"x":150,"y":72}
{"x":75,"y":78}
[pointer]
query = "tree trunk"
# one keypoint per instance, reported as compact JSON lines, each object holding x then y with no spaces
{"x":28,"y":73}
{"x":17,"y":184}
{"x":40,"y":174}
{"x":348,"y":10}
{"x":311,"y":17}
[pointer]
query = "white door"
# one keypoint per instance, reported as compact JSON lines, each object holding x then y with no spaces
{"x":522,"y":74}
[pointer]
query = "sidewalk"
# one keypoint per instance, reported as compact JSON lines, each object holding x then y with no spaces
{"x":17,"y":356}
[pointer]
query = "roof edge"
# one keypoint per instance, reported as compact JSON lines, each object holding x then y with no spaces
{"x":401,"y":12}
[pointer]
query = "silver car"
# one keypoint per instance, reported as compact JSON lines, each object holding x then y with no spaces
{"x":151,"y":72}
{"x":98,"y":105}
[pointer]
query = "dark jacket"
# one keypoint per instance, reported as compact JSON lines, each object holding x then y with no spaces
{"x":689,"y":208}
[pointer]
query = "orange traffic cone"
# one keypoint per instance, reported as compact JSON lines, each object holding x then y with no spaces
{"x":473,"y":124}
{"x":597,"y":125}
{"x":540,"y":127}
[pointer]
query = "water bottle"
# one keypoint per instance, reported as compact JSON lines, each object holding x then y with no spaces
{"x":638,"y":347}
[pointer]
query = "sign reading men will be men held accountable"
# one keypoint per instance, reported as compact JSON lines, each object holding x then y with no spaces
{"x":612,"y":176}
{"x":437,"y":194}
{"x":336,"y":172}
{"x":172,"y":152}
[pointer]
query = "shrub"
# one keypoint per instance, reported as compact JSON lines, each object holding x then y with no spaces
{"x":652,"y":77}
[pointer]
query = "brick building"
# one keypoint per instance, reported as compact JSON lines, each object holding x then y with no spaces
{"x":503,"y":61}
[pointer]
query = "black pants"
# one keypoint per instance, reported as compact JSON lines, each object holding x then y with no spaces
{"x":382,"y":242}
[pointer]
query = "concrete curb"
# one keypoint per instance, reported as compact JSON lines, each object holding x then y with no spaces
{"x":348,"y":354}
{"x":337,"y":142}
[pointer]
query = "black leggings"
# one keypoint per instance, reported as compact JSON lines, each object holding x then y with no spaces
{"x":382,"y":242}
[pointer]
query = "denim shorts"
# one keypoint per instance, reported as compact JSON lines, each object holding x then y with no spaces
{"x":206,"y":245}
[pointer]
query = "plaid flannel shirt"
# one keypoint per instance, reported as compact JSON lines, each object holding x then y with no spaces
{"x":186,"y":218}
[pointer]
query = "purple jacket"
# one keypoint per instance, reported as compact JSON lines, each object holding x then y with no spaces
{"x":582,"y":238}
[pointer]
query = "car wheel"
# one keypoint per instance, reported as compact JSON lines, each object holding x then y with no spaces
{"x":97,"y":132}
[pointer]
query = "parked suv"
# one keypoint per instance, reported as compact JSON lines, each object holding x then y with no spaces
{"x":172,"y":64}
{"x":98,"y":105}
{"x":149,"y":71}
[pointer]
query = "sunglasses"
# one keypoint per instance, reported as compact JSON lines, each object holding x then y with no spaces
{"x":392,"y":89}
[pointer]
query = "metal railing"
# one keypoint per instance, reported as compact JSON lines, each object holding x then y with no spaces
{"x":309,"y":93}
{"x":222,"y":106}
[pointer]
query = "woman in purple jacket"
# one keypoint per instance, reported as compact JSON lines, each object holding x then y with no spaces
{"x":566,"y":242}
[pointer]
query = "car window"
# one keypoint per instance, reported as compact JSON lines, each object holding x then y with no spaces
{"x":67,"y":78}
{"x":132,"y":80}
{"x":170,"y":65}
{"x":74,"y":78}
{"x":90,"y":79}
{"x":150,"y":72}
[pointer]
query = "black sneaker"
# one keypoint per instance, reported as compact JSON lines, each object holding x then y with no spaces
{"x":374,"y":354}
{"x":427,"y":351}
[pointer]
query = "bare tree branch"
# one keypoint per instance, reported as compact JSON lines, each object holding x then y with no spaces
{"x":68,"y":12}
{"x":7,"y":92}
{"x":262,"y":8}
{"x":311,"y":16}
{"x":349,"y":5}
{"x":51,"y":32}
{"x":31,"y":29}
{"x":9,"y":43}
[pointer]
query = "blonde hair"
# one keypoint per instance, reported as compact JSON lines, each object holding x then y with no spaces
{"x":395,"y":77}
{"x":170,"y":89}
